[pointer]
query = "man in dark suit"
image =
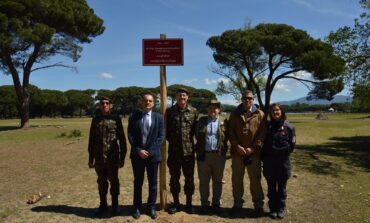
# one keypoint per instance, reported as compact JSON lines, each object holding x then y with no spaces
{"x":146,"y":134}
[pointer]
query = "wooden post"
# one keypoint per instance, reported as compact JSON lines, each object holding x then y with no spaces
{"x":162,"y":166}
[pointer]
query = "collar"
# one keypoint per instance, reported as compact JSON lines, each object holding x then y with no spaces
{"x":212,"y":120}
{"x":149,"y":113}
{"x":241,"y":109}
{"x":185,"y":109}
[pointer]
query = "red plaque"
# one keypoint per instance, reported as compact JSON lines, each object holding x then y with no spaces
{"x":158,"y":52}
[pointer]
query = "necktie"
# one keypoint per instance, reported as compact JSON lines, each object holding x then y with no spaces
{"x":145,"y":127}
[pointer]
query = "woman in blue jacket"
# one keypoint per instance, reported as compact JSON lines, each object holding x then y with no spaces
{"x":279,"y":143}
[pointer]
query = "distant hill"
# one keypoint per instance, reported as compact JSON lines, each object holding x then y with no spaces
{"x":336,"y":99}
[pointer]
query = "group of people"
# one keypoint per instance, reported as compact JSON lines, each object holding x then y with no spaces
{"x":193,"y":140}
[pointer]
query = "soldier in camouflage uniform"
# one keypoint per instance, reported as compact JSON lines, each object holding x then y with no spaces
{"x":105,"y":154}
{"x":181,"y":121}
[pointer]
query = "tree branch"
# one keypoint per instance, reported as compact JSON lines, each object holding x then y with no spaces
{"x":220,"y":72}
{"x":15,"y":76}
{"x":59,"y":64}
{"x":283,"y":75}
{"x":303,"y":81}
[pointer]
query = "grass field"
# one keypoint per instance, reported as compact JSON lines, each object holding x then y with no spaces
{"x":330,"y":183}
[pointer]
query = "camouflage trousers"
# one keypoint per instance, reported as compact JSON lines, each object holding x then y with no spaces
{"x":107,"y":172}
{"x":175,"y":163}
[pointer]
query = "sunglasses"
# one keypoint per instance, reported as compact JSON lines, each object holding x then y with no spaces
{"x":247,"y":98}
{"x":104,"y":103}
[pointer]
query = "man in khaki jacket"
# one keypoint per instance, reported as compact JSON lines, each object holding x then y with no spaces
{"x":247,"y":127}
{"x":211,"y":151}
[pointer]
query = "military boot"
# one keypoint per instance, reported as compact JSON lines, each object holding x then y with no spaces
{"x":103,"y":207}
{"x":189,"y":206}
{"x":115,"y":206}
{"x":175,"y":207}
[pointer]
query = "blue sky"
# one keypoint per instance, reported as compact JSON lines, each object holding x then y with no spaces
{"x":114,"y":59}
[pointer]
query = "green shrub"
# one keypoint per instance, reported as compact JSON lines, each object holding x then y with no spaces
{"x":75,"y":133}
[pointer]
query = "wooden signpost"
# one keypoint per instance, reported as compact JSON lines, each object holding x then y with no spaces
{"x":162,"y":52}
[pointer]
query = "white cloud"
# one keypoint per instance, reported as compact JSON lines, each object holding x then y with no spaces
{"x":228,"y":101}
{"x":303,"y":75}
{"x":318,"y":8}
{"x":282,"y":87}
{"x":208,"y":81}
{"x":106,"y":75}
{"x":193,"y":31}
{"x":190,"y":81}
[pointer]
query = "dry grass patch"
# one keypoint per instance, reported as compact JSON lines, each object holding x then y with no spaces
{"x":331,"y":168}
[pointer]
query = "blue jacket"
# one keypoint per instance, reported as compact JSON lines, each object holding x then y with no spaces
{"x":280,"y":139}
{"x":154,"y":139}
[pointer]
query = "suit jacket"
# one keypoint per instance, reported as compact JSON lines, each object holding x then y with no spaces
{"x":154,"y":139}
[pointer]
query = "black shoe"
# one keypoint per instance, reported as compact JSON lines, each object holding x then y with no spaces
{"x":189,"y":206}
{"x":235,"y":211}
{"x":115,"y":207}
{"x":174,"y":208}
{"x":281,"y":213}
{"x":136,"y":214}
{"x":101,"y":210}
{"x":273,"y":214}
{"x":115,"y":210}
{"x":216,"y":209}
{"x":258,"y":212}
{"x":205,"y":210}
{"x":189,"y":209}
{"x":152,"y":213}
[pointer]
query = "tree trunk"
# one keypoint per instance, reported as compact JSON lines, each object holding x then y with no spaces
{"x":22,"y":90}
{"x":23,"y":97}
{"x":266,"y":108}
{"x":25,"y":115}
{"x":24,"y":106}
{"x":24,"y":101}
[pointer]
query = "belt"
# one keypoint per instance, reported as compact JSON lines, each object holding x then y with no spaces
{"x":213,"y":151}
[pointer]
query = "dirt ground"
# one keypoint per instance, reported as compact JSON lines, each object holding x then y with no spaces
{"x":330,"y":182}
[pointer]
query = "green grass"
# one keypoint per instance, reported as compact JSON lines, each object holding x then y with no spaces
{"x":331,"y":168}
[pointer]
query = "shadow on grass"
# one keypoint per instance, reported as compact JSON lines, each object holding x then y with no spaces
{"x":223,"y":212}
{"x":355,"y":151}
{"x":365,"y":117}
{"x":294,"y":122}
{"x":8,"y":128}
{"x":81,"y":211}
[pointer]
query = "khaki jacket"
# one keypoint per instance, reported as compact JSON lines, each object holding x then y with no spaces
{"x":247,"y":129}
{"x":201,"y":134}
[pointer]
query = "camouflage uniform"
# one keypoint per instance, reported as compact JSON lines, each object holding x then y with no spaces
{"x":180,"y":134}
{"x":106,"y":153}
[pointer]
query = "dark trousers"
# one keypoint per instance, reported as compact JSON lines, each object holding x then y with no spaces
{"x":276,"y":193}
{"x":138,"y":166}
{"x":277,"y":170}
{"x":107,"y":172}
{"x":175,"y":163}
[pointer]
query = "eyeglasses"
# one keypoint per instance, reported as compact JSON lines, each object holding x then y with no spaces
{"x":247,"y":98}
{"x":104,"y":103}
